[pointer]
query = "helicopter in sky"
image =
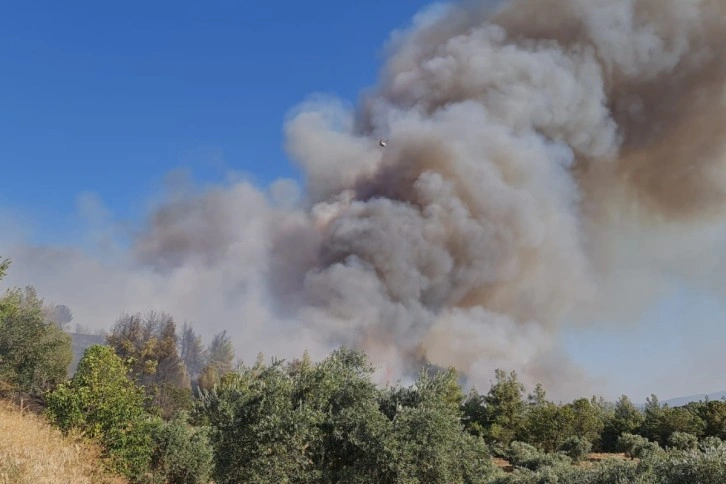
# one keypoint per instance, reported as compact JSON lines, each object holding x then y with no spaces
{"x":382,"y":142}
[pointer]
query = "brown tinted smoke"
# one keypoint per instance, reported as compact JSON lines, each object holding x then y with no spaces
{"x":527,"y":143}
{"x":516,"y":136}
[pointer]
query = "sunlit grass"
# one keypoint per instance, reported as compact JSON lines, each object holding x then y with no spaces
{"x":31,"y":451}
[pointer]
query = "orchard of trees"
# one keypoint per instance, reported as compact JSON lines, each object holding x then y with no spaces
{"x":168,"y":408}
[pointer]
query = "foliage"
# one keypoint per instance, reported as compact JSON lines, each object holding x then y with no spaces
{"x":636,"y":445}
{"x":710,"y":442}
{"x":220,"y":356}
{"x":625,"y":418}
{"x":691,"y":466}
{"x":182,"y":453}
{"x":501,"y":412}
{"x":257,"y":431}
{"x":102,"y":401}
{"x":587,"y":419}
{"x":529,"y":457}
{"x":34,"y":352}
{"x":328,"y":422}
{"x":713,"y":415}
{"x":576,"y":448}
{"x":192,"y":351}
{"x":167,"y":400}
{"x":429,"y":441}
{"x":548,"y":425}
{"x":4,"y":266}
{"x":149,"y":344}
{"x":683,"y":441}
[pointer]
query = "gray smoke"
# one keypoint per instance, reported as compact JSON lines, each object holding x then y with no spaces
{"x":549,"y":161}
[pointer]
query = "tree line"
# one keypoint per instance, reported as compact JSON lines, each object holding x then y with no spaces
{"x":167,"y":408}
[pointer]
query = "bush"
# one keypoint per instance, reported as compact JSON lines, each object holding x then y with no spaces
{"x":529,"y":457}
{"x":636,"y":445}
{"x":576,"y":448}
{"x":683,"y":441}
{"x":102,"y":401}
{"x":34,"y":352}
{"x":182,"y":453}
{"x":691,"y":466}
{"x":710,"y":442}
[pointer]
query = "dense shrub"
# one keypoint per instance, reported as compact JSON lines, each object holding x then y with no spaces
{"x":102,"y":401}
{"x":680,"y":467}
{"x":182,"y":453}
{"x":683,"y":441}
{"x":636,"y":446}
{"x":576,"y":448}
{"x":34,"y":352}
{"x":529,"y":457}
{"x":327,"y":422}
{"x":710,"y":442}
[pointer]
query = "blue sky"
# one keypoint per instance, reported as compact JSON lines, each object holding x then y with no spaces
{"x":109,"y":97}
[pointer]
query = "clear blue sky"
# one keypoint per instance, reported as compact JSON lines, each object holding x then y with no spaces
{"x":109,"y":97}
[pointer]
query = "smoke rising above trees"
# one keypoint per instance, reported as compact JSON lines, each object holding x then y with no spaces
{"x":526,"y":152}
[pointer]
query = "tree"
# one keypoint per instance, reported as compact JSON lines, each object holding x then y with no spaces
{"x":652,"y":426}
{"x":182,"y":453}
{"x":4,"y":265}
{"x":150,"y":345}
{"x":133,"y":339}
{"x":587,"y":420}
{"x":221,"y":352}
{"x":103,"y":401}
{"x":576,"y":448}
{"x":429,"y":442}
{"x":258,"y":434}
{"x":625,"y":418}
{"x":61,"y":315}
{"x":504,"y":408}
{"x":474,"y":412}
{"x":34,"y":353}
{"x":219,"y":361}
{"x":170,"y":367}
{"x":683,"y":441}
{"x":538,"y":396}
{"x":680,"y":420}
{"x":328,"y":422}
{"x":192,"y":351}
{"x":713,"y":414}
{"x":548,"y":425}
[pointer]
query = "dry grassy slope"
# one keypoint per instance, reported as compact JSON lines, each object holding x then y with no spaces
{"x":31,"y":451}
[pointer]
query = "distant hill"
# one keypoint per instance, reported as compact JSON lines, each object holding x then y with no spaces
{"x":80,"y":343}
{"x":680,"y":401}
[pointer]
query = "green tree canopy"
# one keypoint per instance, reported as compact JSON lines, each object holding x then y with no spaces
{"x":34,"y":353}
{"x":103,"y":401}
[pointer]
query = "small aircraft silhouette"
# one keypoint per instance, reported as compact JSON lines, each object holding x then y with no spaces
{"x":382,"y":143}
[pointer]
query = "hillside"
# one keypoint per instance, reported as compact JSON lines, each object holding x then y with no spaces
{"x":31,"y":451}
{"x":679,"y":401}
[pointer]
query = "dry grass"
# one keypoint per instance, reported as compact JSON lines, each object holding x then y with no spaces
{"x":31,"y":451}
{"x":592,"y":459}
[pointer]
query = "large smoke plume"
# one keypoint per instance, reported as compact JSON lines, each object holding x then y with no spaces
{"x":544,"y":156}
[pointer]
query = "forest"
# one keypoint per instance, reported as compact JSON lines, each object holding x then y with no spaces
{"x":166,"y":407}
